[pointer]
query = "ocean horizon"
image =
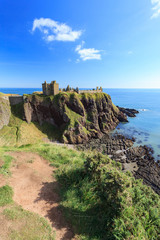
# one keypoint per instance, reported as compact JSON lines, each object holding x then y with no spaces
{"x":145,"y":128}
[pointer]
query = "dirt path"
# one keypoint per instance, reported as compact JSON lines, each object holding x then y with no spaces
{"x":35,"y":190}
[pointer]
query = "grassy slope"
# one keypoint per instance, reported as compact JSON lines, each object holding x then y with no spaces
{"x":99,"y":199}
{"x":19,"y":223}
{"x":2,"y":94}
{"x":26,"y":225}
{"x":19,"y":132}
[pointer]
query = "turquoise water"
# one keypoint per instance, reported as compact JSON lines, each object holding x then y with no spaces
{"x":145,"y":127}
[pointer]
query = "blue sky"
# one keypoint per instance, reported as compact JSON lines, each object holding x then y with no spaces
{"x":108,"y":43}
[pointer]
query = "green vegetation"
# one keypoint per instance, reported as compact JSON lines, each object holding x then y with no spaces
{"x":6,"y":163}
{"x":26,"y":225}
{"x":100,"y":200}
{"x":58,"y":156}
{"x":69,"y":96}
{"x":19,"y":132}
{"x":73,"y":116}
{"x":49,"y":131}
{"x":95,"y":96}
{"x":6,"y":194}
{"x":115,"y":108}
{"x":104,"y":203}
{"x":1,"y":94}
{"x":23,"y":225}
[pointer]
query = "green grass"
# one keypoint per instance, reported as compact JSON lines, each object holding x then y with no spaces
{"x":104,"y":203}
{"x":7,"y":160}
{"x":26,"y":225}
{"x":1,"y":94}
{"x":6,"y":194}
{"x":19,"y":132}
{"x":51,"y":132}
{"x":23,"y":224}
{"x":101,"y":201}
{"x":115,"y":108}
{"x":59,"y":156}
{"x":96,"y":96}
{"x":73,"y":116}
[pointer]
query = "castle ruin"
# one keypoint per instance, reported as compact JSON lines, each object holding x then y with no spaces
{"x":50,"y":88}
{"x":53,"y":89}
{"x":97,"y":90}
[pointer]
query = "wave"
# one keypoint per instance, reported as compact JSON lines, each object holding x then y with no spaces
{"x":143,"y":110}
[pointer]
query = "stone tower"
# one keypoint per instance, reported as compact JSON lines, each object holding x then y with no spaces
{"x":50,"y":88}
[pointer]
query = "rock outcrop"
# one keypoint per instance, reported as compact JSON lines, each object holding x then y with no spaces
{"x":139,"y":160}
{"x":79,"y":117}
{"x":5,"y":111}
{"x":128,"y":111}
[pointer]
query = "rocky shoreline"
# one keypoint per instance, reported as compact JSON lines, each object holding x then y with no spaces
{"x":139,"y":160}
{"x":128,"y":111}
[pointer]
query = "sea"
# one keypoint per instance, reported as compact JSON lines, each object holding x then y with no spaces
{"x":145,"y":128}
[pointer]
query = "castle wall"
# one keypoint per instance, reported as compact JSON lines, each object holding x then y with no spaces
{"x":48,"y":90}
{"x":44,"y":89}
{"x":89,"y":91}
{"x":56,"y":88}
{"x":15,"y":100}
{"x":51,"y":89}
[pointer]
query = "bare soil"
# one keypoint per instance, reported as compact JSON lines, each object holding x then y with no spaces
{"x":35,"y":189}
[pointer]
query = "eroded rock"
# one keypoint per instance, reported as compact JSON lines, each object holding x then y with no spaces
{"x":128,"y":111}
{"x":79,"y":117}
{"x":5,"y":112}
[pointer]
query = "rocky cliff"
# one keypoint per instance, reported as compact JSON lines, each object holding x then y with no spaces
{"x":79,"y":117}
{"x":5,"y":111}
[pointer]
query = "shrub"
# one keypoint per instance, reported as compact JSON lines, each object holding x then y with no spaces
{"x":102,"y":202}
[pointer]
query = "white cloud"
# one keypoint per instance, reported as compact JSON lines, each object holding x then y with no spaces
{"x":156,"y":8}
{"x":55,"y":31}
{"x":88,"y":53}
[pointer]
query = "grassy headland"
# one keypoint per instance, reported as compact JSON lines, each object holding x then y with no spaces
{"x":78,"y":117}
{"x":99,"y":200}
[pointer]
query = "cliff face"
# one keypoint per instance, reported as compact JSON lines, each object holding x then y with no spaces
{"x":6,"y":103}
{"x":5,"y":111}
{"x":78,"y":116}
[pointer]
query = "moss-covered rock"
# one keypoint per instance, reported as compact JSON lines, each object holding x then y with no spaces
{"x":5,"y":111}
{"x":78,"y":116}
